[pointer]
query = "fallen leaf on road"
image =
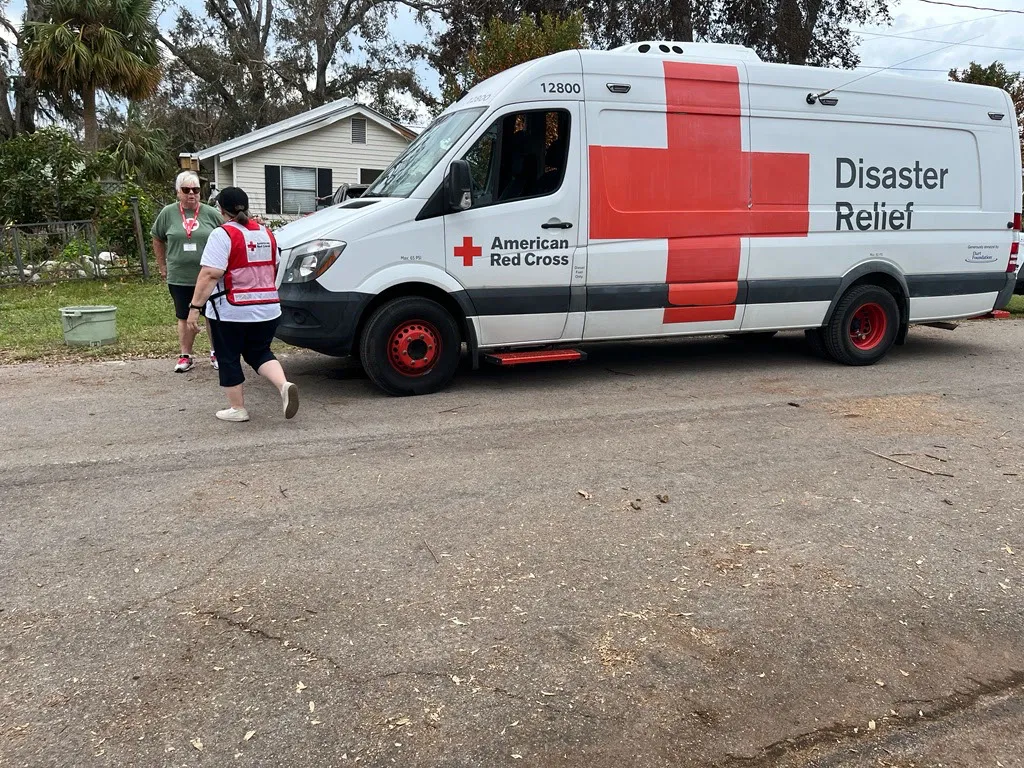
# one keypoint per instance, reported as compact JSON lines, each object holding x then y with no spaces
{"x":905,"y":674}
{"x":312,"y":706}
{"x":584,"y":494}
{"x":663,"y":498}
{"x":880,"y":683}
{"x":635,"y":504}
{"x":871,"y":725}
{"x":458,"y":623}
{"x":249,"y":735}
{"x":300,"y":686}
{"x":197,"y":743}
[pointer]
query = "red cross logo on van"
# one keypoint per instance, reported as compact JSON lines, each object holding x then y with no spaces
{"x":702,"y":193}
{"x":467,"y":251}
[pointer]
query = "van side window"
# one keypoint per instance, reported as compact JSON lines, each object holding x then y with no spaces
{"x":521,"y":155}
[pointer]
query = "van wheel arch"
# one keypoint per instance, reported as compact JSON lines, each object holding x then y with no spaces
{"x":885,"y":276}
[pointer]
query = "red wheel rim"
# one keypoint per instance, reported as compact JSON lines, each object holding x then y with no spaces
{"x":867,"y":329}
{"x":414,"y":347}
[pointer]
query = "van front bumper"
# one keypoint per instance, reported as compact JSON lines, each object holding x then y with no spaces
{"x":314,"y":318}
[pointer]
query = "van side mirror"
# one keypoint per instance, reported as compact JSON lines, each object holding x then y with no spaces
{"x":459,"y":186}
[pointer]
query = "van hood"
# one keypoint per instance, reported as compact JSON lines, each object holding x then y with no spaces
{"x":325,"y":223}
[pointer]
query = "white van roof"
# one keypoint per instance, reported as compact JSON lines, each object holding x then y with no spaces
{"x":668,"y":48}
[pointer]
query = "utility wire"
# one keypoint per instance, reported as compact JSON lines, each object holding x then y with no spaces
{"x":811,"y":96}
{"x":929,"y":40}
{"x":971,"y":7}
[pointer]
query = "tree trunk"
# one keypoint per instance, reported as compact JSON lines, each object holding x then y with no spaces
{"x":7,"y":128}
{"x":92,"y":138}
{"x":26,"y":104}
{"x":681,"y":21}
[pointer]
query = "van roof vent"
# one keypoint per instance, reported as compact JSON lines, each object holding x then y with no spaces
{"x":699,"y":50}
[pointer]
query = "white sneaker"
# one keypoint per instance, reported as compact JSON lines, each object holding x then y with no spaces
{"x":213,"y":362}
{"x":290,"y":399}
{"x":233,"y":414}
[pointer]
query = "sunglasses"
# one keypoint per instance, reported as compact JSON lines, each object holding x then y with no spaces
{"x":190,"y":190}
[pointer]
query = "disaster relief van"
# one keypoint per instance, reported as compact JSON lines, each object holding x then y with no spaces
{"x":664,"y":189}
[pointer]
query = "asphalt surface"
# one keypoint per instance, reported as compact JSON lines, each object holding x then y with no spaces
{"x":488,"y":577}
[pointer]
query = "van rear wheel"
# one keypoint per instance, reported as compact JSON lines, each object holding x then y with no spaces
{"x":410,"y":346}
{"x":863,"y":326}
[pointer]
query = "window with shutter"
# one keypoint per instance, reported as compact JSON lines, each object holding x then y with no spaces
{"x":358,"y":130}
{"x":298,"y":190}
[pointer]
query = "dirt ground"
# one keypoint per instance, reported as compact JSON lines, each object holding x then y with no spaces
{"x":695,"y":553}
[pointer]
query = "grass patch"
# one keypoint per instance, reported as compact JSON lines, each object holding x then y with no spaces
{"x":31,"y":327}
{"x":1016,"y":306}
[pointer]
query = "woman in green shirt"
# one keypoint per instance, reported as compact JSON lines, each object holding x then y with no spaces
{"x":179,"y":236}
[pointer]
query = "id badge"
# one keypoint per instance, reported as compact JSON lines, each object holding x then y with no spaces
{"x":189,"y":247}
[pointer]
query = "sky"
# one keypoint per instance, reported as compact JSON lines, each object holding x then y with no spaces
{"x":931,"y":36}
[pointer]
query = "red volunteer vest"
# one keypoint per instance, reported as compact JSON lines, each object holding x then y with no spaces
{"x":252,"y":265}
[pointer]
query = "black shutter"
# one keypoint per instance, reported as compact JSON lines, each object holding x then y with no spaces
{"x":272,"y":177}
{"x":324,"y":183}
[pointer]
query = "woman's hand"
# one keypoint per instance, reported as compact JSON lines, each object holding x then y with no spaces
{"x":193,"y":321}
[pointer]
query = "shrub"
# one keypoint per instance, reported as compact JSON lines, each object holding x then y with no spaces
{"x":116,"y":223}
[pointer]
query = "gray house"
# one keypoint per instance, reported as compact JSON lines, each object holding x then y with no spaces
{"x":284,"y":167}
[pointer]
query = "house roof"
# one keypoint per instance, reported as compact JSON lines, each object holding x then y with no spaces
{"x":298,"y":125}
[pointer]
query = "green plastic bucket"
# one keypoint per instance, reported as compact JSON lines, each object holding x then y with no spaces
{"x":89,"y":326}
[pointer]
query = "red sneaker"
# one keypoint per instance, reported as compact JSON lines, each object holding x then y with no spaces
{"x":184,"y":364}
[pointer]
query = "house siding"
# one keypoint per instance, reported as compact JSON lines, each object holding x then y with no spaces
{"x":225,"y":175}
{"x":330,"y":147}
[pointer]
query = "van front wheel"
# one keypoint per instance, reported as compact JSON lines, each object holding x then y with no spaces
{"x":410,"y":346}
{"x":863,"y":326}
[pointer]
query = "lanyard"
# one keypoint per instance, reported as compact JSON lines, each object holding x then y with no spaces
{"x":188,"y":224}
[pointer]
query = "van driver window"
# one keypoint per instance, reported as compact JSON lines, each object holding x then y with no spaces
{"x":521,"y":155}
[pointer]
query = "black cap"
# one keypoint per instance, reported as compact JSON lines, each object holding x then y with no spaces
{"x":233,"y":200}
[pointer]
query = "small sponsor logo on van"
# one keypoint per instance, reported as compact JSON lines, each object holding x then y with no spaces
{"x":983,"y":254}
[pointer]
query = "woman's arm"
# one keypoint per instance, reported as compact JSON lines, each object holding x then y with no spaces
{"x":205,"y":283}
{"x":160,"y":249}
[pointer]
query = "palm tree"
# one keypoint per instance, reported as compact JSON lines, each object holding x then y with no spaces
{"x":85,"y":46}
{"x":139,"y":149}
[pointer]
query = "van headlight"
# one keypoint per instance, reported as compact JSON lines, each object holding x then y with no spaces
{"x":310,"y":260}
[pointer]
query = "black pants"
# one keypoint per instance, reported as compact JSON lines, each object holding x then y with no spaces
{"x":237,"y":341}
{"x":182,"y":297}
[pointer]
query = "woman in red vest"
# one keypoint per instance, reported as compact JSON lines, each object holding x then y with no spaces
{"x":236,"y":292}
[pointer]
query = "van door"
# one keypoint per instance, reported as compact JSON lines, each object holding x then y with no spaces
{"x":513,"y":249}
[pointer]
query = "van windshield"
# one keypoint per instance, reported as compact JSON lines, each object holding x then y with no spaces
{"x":420,"y":157}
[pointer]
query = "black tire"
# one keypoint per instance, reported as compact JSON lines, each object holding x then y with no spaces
{"x":863,"y":326}
{"x":410,"y":346}
{"x":816,"y":341}
{"x":753,"y":336}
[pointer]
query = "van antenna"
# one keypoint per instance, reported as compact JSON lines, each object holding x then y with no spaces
{"x":812,"y":97}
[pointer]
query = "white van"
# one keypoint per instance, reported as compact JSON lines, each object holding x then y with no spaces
{"x":664,"y":189}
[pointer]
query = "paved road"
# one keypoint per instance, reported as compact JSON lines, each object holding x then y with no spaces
{"x":464,"y":580}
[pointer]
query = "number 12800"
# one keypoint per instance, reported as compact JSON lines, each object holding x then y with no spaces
{"x":560,"y":87}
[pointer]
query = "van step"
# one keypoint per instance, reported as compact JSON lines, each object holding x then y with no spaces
{"x":534,"y":356}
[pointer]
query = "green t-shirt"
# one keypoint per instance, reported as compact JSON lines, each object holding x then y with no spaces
{"x":182,"y":264}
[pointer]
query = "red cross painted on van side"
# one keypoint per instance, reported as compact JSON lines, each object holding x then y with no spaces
{"x":467,"y":251}
{"x":702,"y":193}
